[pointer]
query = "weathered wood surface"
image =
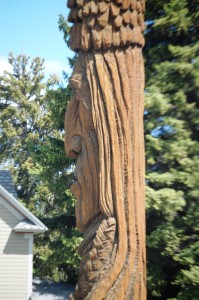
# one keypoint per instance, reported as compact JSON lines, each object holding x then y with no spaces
{"x":104,"y":132}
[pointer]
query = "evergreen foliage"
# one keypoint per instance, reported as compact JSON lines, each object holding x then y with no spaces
{"x":172,"y":149}
{"x":31,"y":135}
{"x":21,"y":118}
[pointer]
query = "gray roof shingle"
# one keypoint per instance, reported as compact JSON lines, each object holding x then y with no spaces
{"x":7,"y":182}
{"x":27,"y":226}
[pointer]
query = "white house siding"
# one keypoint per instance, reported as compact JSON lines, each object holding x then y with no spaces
{"x":14,"y":250}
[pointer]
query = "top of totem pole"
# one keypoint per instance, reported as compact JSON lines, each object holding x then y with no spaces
{"x":105,"y":24}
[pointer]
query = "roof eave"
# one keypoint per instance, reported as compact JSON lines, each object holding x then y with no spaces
{"x":23,"y":210}
{"x":34,"y":231}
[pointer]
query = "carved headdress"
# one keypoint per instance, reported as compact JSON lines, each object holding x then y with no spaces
{"x":105,"y":24}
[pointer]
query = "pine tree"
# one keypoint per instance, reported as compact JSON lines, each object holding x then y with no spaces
{"x":172,"y":149}
{"x":31,"y":136}
{"x":22,"y":118}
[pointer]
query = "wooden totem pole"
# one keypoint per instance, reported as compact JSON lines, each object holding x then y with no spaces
{"x":104,"y":132}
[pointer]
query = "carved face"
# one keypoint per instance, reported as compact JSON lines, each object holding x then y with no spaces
{"x":81,"y":144}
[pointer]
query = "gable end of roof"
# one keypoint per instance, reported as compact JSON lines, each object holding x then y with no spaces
{"x":31,"y":220}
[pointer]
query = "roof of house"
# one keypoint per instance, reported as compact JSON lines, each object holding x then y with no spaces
{"x":7,"y":182}
{"x":27,"y":226}
{"x":30,"y":223}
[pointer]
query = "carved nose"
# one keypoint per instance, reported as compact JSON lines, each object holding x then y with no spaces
{"x":76,"y":147}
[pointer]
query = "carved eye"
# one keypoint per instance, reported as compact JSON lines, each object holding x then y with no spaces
{"x":76,"y":147}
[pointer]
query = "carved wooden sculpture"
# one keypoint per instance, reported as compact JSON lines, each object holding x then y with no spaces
{"x":104,"y":132}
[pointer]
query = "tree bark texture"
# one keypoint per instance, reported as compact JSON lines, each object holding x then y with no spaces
{"x":104,"y":132}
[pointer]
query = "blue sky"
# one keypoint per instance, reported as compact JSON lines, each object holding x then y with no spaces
{"x":31,"y":28}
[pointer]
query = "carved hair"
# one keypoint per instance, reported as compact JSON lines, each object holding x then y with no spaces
{"x":115,"y":81}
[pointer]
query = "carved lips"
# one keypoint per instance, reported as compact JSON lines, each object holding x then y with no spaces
{"x":76,"y":190}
